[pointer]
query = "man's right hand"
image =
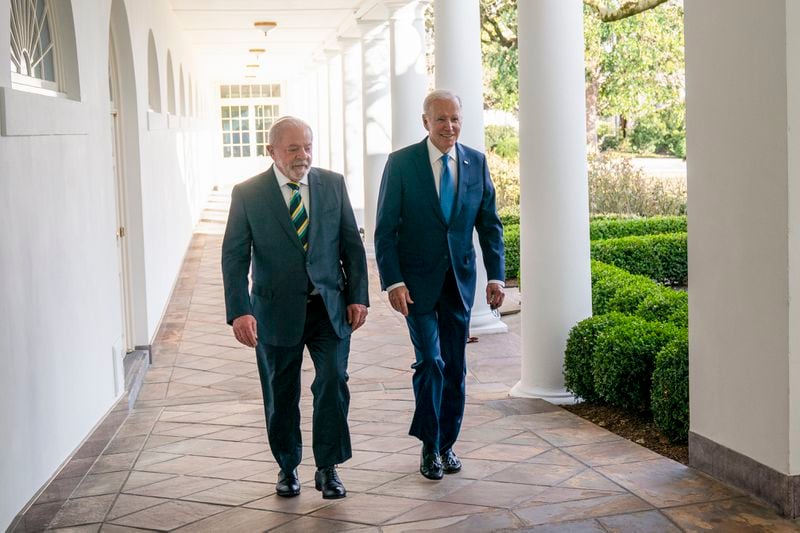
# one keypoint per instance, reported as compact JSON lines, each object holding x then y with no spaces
{"x":244,"y":328}
{"x":399,"y":297}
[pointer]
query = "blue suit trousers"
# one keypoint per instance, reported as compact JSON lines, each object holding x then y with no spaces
{"x":439,"y":338}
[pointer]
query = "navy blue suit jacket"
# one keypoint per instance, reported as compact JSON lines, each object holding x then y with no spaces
{"x":415,"y":245}
{"x":260,"y":231}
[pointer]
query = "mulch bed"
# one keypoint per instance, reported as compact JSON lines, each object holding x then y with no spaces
{"x":637,"y":428}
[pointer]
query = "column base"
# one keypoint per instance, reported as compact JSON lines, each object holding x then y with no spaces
{"x":554,"y":396}
{"x":781,"y":491}
{"x":486,"y":324}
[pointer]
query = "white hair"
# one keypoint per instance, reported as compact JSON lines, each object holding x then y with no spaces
{"x":439,"y":94}
{"x":283,"y":123}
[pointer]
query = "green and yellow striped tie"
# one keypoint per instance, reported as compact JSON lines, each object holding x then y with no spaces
{"x":298,"y":214}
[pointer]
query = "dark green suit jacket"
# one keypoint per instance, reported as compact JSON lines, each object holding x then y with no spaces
{"x":260,"y":232}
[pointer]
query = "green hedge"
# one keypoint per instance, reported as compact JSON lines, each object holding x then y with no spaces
{"x":579,"y":355}
{"x":662,"y":257}
{"x":511,"y":241}
{"x":611,"y":228}
{"x":614,"y":289}
{"x":670,"y":391}
{"x":509,"y":215}
{"x":624,"y":357}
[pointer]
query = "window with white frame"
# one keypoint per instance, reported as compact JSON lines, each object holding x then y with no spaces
{"x":241,"y":103}
{"x":235,"y":131}
{"x":33,"y":45}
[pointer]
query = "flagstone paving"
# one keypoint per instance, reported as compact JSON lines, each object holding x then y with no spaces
{"x":192,"y":454}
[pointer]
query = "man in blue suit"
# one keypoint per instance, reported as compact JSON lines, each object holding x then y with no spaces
{"x":433,"y":195}
{"x":294,"y":225}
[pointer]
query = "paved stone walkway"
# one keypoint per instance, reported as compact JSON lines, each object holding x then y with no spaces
{"x":192,"y":455}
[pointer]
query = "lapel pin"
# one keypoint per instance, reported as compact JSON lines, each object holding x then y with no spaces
{"x":466,"y":162}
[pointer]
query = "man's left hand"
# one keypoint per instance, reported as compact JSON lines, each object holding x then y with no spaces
{"x":356,"y":315}
{"x":495,"y":295}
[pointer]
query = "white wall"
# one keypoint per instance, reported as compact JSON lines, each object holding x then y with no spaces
{"x":59,"y":288}
{"x":738,"y":146}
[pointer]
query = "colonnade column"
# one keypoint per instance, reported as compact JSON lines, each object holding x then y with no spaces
{"x":459,"y":68}
{"x":335,"y":110}
{"x":322,"y":140}
{"x":554,"y":238}
{"x":352,"y":124}
{"x":744,"y":245}
{"x":409,"y":76}
{"x":377,"y":117}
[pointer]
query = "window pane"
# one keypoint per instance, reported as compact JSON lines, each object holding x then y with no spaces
{"x":234,"y":91}
{"x":246,"y":138}
{"x":276,"y":90}
{"x":243,"y":112}
{"x":246,"y":151}
{"x":265,"y":91}
{"x":226,"y":125}
{"x":260,"y":137}
{"x":236,"y":138}
{"x":245,"y":91}
{"x":226,"y":112}
{"x":224,"y":91}
{"x":226,"y":138}
{"x":226,"y":151}
{"x":237,"y":152}
{"x":260,"y":150}
{"x":255,"y":91}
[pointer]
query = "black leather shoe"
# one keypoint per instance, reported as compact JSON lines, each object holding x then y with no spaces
{"x":327,"y":480}
{"x":450,"y":462}
{"x":430,"y":465}
{"x":288,"y":485}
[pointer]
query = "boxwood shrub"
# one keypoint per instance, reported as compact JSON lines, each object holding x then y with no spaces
{"x":670,"y":392}
{"x":665,"y":305}
{"x":611,"y":228}
{"x":623,"y":361}
{"x":579,"y":355}
{"x":662,"y":258}
{"x":511,"y":240}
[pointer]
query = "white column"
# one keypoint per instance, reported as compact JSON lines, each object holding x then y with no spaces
{"x":744,"y":244}
{"x":409,"y":76}
{"x":554,"y":247}
{"x":353,"y":125}
{"x":335,"y":111}
{"x":377,"y":117}
{"x":322,"y":141}
{"x":459,"y":68}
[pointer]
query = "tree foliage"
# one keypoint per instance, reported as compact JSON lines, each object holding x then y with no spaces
{"x":634,"y":62}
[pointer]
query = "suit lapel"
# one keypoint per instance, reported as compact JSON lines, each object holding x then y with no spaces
{"x":317,"y":197}
{"x":277,"y":206}
{"x":427,"y":184}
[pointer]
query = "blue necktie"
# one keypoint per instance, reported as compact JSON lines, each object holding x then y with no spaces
{"x":446,"y":190}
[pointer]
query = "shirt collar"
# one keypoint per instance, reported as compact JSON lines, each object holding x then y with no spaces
{"x":283,"y":180}
{"x":435,"y":154}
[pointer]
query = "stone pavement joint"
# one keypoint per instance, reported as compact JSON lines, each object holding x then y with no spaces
{"x":192,"y":454}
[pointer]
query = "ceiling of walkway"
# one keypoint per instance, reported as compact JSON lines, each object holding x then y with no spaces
{"x":222,"y":32}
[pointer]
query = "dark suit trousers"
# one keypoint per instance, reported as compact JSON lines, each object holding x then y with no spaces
{"x":440,"y":369}
{"x":279,"y":368}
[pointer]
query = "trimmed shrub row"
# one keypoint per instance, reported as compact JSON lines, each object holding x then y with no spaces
{"x":663,"y":257}
{"x":511,"y":240}
{"x":614,"y":289}
{"x":633,"y":353}
{"x":633,"y":364}
{"x":612,"y":228}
